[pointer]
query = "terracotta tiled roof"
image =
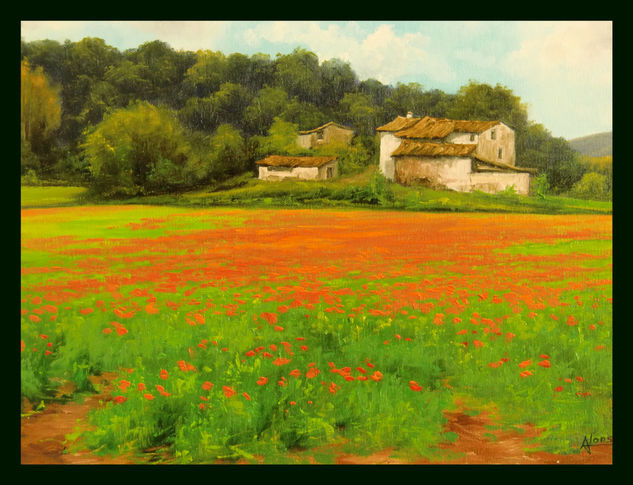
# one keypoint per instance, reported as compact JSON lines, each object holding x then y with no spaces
{"x":331,"y":123}
{"x":400,"y":123}
{"x":291,"y":162}
{"x":431,"y":128}
{"x":425,"y":149}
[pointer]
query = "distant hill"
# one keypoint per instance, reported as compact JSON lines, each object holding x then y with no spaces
{"x":598,"y":145}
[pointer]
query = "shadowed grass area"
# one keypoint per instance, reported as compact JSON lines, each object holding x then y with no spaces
{"x":363,"y":190}
{"x":32,"y":196}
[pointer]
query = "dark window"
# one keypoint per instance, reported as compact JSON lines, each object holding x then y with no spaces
{"x":330,"y":172}
{"x":472,"y":137}
{"x":319,"y":135}
{"x":500,"y":152}
{"x":493,"y":135}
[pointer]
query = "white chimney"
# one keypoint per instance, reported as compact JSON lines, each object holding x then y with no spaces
{"x":409,"y":114}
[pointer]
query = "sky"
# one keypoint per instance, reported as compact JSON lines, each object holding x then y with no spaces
{"x":562,"y":70}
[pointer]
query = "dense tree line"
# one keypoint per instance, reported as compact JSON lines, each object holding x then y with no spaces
{"x":153,"y":118}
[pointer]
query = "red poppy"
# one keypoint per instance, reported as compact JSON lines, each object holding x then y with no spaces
{"x":273,"y":347}
{"x":312,"y":372}
{"x":246,"y":396}
{"x":278,"y":328}
{"x":107,"y":330}
{"x":22,"y":345}
{"x":34,"y":318}
{"x":163,"y":374}
{"x":304,"y":347}
{"x":151,"y":309}
{"x":579,"y":379}
{"x":544,"y":363}
{"x":295,"y":373}
{"x":526,"y":373}
{"x":141,"y":387}
{"x":509,"y":337}
{"x":123,"y":385}
{"x":207,"y":385}
{"x":250,"y":353}
{"x":149,"y":397}
{"x":525,"y":363}
{"x":558,"y":389}
{"x":271,"y":318}
{"x":228,"y":391}
{"x":415,"y":386}
{"x":462,"y":332}
{"x":121,"y":330}
{"x":361,"y":370}
{"x":478,"y":343}
{"x":281,"y":361}
{"x":376,"y":376}
{"x":495,"y":364}
{"x":362,"y":378}
{"x":86,"y":311}
{"x":262,"y":380}
{"x":199,"y":318}
{"x":120,"y":399}
{"x":204,"y":398}
{"x":48,"y":352}
{"x":292,"y":403}
{"x":162,"y":391}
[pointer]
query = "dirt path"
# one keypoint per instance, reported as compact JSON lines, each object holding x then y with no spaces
{"x":43,"y":435}
{"x":44,"y":442}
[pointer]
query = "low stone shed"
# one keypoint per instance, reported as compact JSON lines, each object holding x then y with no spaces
{"x":278,"y":167}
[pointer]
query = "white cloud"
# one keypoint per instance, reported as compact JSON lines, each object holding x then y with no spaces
{"x":565,"y":70}
{"x":381,"y":54}
{"x":571,"y":51}
{"x":184,"y":35}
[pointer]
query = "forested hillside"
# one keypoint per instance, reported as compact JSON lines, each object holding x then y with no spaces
{"x":153,"y":119}
{"x":598,"y":145}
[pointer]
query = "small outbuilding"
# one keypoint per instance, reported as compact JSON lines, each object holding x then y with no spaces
{"x":328,"y":133}
{"x":278,"y":167}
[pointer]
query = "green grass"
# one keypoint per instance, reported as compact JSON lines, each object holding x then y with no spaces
{"x":357,"y":190}
{"x":32,"y":196}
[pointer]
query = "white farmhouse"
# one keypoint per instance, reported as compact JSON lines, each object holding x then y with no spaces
{"x":453,"y":154}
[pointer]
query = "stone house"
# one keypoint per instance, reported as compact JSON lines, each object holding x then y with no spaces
{"x":454,"y":154}
{"x":278,"y":167}
{"x":328,"y":133}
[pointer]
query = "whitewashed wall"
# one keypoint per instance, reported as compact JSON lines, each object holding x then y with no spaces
{"x":388,"y":144}
{"x":306,"y":173}
{"x":493,"y":182}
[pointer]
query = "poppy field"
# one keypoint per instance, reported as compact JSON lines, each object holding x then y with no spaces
{"x":284,"y":336}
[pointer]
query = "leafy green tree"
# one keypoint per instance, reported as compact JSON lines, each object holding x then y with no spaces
{"x":592,"y":186}
{"x":305,"y":115}
{"x":40,"y":115}
{"x":281,"y":140}
{"x":230,"y":102}
{"x":206,"y":75}
{"x":337,"y":78}
{"x":357,"y":111}
{"x":299,"y":75}
{"x":228,"y":153}
{"x":404,"y":98}
{"x":480,"y":101}
{"x":554,"y":157}
{"x":265,"y":106}
{"x":129,"y":81}
{"x":132,"y":148}
{"x":162,"y":69}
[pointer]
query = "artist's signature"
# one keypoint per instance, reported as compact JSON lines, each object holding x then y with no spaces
{"x":588,"y":442}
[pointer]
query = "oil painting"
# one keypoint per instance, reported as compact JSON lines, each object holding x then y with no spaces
{"x":309,"y":242}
